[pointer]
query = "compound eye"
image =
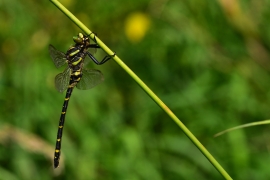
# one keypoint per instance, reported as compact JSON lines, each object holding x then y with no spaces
{"x":80,"y":35}
{"x":78,"y":39}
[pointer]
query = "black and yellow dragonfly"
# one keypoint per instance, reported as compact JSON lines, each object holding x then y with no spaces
{"x":75,"y":74}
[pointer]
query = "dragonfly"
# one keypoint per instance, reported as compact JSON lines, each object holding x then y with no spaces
{"x":74,"y":74}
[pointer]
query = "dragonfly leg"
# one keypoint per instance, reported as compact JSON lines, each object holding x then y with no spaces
{"x":93,"y":46}
{"x":105,"y":59}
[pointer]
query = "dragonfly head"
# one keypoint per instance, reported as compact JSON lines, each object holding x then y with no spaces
{"x":79,"y":39}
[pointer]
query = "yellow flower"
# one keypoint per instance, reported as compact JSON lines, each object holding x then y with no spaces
{"x":136,"y":26}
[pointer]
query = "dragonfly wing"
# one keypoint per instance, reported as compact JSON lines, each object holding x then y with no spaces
{"x":90,"y":78}
{"x":58,"y":57}
{"x":62,"y":80}
{"x":86,"y":60}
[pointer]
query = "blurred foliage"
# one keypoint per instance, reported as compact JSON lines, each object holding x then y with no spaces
{"x":208,"y":61}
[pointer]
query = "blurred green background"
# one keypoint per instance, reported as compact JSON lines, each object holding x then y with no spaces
{"x":207,"y":60}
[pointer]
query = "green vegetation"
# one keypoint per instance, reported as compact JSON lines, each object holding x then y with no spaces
{"x":207,"y":61}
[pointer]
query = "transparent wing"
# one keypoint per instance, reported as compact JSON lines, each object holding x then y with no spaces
{"x":90,"y":78}
{"x":58,"y":57}
{"x":62,"y":80}
{"x":86,"y":60}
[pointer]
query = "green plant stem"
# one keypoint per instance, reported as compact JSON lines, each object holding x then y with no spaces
{"x":146,"y":89}
{"x":243,"y":126}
